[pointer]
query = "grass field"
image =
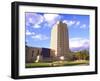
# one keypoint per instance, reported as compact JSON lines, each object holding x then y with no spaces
{"x":57,"y":63}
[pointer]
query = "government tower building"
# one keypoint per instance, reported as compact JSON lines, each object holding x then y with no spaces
{"x":59,"y":47}
{"x":60,"y":40}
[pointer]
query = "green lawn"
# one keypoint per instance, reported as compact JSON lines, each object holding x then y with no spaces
{"x":31,"y":65}
{"x":56,"y":64}
{"x":72,"y":63}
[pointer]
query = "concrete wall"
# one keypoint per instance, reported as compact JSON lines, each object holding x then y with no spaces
{"x":32,"y":53}
{"x":43,"y":54}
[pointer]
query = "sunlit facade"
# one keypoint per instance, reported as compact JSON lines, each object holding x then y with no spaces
{"x":60,"y":39}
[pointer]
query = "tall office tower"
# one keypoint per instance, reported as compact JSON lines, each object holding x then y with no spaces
{"x":60,"y":40}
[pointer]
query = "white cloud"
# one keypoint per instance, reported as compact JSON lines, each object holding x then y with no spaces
{"x":36,"y":26}
{"x":32,"y":33}
{"x":29,"y":33}
{"x":51,"y":19}
{"x":31,"y":20}
{"x":83,"y":26}
{"x":78,"y":42}
{"x":40,"y":37}
{"x":78,"y":23}
{"x":69,"y":22}
{"x":34,"y":20}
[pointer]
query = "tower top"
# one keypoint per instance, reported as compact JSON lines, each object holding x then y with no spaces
{"x":59,"y":22}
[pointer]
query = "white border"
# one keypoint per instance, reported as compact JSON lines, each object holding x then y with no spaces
{"x":52,"y":70}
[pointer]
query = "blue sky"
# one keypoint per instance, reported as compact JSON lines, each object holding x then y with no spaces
{"x":39,"y":25}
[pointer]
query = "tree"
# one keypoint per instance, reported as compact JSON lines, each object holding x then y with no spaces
{"x":81,"y":55}
{"x":85,"y":54}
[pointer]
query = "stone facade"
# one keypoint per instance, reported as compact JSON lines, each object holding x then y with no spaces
{"x":34,"y":54}
{"x":60,"y":40}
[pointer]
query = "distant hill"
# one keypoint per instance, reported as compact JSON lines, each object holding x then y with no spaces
{"x":79,"y":49}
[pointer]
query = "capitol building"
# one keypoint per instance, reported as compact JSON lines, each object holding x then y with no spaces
{"x":59,"y":46}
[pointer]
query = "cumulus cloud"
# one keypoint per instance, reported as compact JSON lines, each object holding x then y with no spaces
{"x":72,"y":22}
{"x":75,"y":23}
{"x":78,"y":23}
{"x":36,"y":36}
{"x":40,"y":37}
{"x":78,"y":42}
{"x":36,"y":26}
{"x":69,"y":22}
{"x":34,"y":20}
{"x":51,"y":19}
{"x":83,"y":26}
{"x":29,"y":33}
